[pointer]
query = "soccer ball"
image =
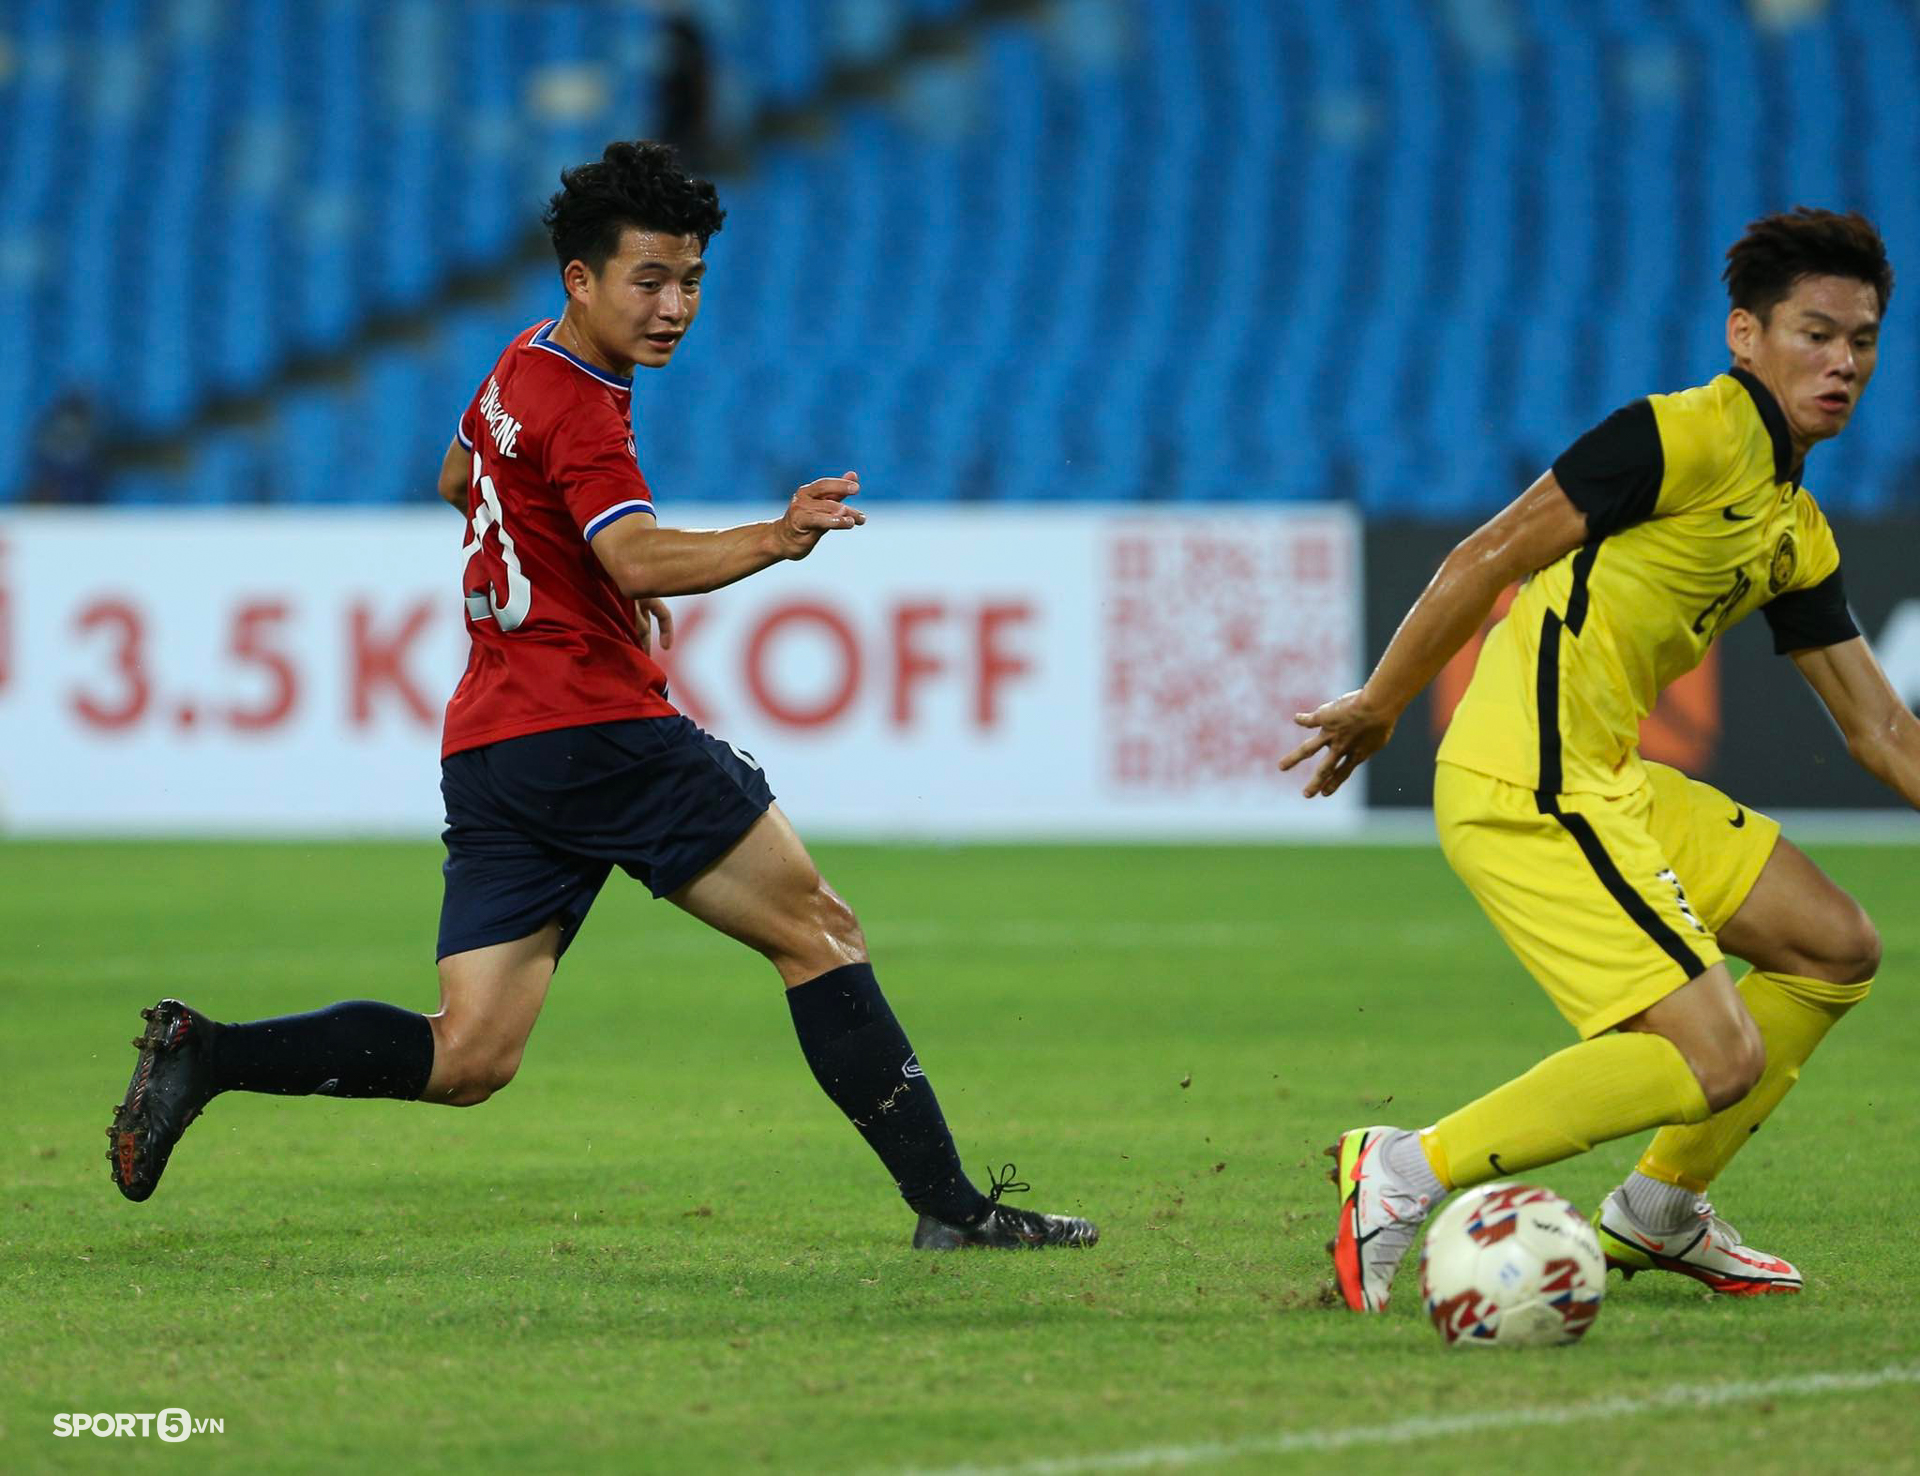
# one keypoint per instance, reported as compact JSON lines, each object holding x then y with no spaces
{"x":1511,"y":1266}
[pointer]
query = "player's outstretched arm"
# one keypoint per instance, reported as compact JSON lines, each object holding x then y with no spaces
{"x":1882,"y":733}
{"x":648,"y":561}
{"x":1532,"y":531}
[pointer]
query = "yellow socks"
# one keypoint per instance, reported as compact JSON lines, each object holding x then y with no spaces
{"x":1602,"y":1088}
{"x":1794,"y":1015}
{"x":1621,"y":1083}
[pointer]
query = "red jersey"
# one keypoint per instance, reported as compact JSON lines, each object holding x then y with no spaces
{"x":553,"y":641}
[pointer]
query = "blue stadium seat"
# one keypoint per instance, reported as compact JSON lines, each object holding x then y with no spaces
{"x":310,"y":439}
{"x":328,"y":228}
{"x":234,"y":467}
{"x":241,"y":320}
{"x":1197,"y":249}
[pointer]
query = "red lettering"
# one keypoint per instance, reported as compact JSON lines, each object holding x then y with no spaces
{"x":996,"y":666}
{"x":253,"y":628}
{"x":910,"y":664}
{"x":783,"y":711}
{"x":686,"y":620}
{"x":379,"y":661}
{"x":136,"y":691}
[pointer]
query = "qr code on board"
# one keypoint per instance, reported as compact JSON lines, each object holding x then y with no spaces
{"x":1217,"y":633}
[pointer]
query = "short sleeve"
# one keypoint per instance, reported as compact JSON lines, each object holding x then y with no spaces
{"x":463,"y":429}
{"x":1810,"y":610}
{"x":1613,"y":472}
{"x":1806,"y":619}
{"x":590,"y":462}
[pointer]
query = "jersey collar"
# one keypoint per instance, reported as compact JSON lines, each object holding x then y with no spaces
{"x":543,"y":340}
{"x":1785,"y":467}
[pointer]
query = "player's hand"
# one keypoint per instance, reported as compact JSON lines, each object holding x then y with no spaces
{"x":646,"y":615}
{"x":816,"y":510}
{"x":1350,"y":731}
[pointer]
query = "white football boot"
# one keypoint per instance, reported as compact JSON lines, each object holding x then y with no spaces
{"x":1706,"y":1248}
{"x":1379,"y":1216}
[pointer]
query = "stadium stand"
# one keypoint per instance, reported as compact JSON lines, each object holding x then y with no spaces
{"x":1105,"y":249}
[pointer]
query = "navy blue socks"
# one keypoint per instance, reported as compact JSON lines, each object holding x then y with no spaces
{"x":862,"y":1060}
{"x":361,"y":1048}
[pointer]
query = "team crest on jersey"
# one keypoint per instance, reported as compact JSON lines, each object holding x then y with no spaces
{"x":1780,"y":573}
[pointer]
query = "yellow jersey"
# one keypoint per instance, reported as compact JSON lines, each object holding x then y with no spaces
{"x":1695,"y":519}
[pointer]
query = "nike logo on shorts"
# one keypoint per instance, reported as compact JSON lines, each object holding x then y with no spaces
{"x":1738,"y":820}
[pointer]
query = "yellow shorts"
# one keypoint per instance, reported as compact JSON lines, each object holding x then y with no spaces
{"x":1612,"y":902}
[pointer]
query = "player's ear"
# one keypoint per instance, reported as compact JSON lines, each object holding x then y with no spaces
{"x":1742,"y":327}
{"x":577,"y":279}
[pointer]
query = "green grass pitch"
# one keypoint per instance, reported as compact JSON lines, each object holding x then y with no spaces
{"x":661,"y":1249}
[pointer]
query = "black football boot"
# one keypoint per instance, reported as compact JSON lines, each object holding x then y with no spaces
{"x":171,"y":1083}
{"x":1003,"y":1227}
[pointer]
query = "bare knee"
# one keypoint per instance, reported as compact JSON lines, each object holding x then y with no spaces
{"x":471,"y":1083}
{"x":467,"y":1071}
{"x":834,"y":920}
{"x":1846,"y":952}
{"x":1863,"y":951}
{"x":821,"y":934}
{"x":1731,"y":1068}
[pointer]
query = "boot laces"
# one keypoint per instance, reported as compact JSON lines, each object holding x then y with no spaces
{"x":1005,"y":1182}
{"x":1718,"y":1230}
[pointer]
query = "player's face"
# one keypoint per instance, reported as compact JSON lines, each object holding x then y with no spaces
{"x":1816,"y":352}
{"x":645,"y":298}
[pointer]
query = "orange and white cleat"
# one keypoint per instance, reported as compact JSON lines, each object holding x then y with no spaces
{"x":1379,"y":1217}
{"x":1706,"y":1248}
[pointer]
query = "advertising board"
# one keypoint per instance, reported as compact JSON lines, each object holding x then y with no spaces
{"x":941,"y":674}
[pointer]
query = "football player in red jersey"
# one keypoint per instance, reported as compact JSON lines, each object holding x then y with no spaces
{"x":563,"y":756}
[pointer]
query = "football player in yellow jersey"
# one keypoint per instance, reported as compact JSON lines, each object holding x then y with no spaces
{"x":1623,"y":884}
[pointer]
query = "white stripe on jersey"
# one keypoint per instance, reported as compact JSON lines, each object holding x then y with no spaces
{"x":614,"y":514}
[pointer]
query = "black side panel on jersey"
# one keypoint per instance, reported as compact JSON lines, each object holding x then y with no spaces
{"x":1805,"y":619}
{"x":1613,"y":472}
{"x":1546,"y":690}
{"x":1546,"y":697}
{"x":1577,"y":593}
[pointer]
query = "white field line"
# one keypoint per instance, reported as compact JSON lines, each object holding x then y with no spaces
{"x":1440,"y":1427}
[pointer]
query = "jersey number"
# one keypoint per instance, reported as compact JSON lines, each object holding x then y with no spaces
{"x":487,"y":515}
{"x":1721,"y":609}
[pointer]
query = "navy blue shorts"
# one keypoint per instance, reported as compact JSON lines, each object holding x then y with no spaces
{"x":535,"y":824}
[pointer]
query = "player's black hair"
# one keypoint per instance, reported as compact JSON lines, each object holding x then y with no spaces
{"x":639,"y":184}
{"x":1778,"y":250}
